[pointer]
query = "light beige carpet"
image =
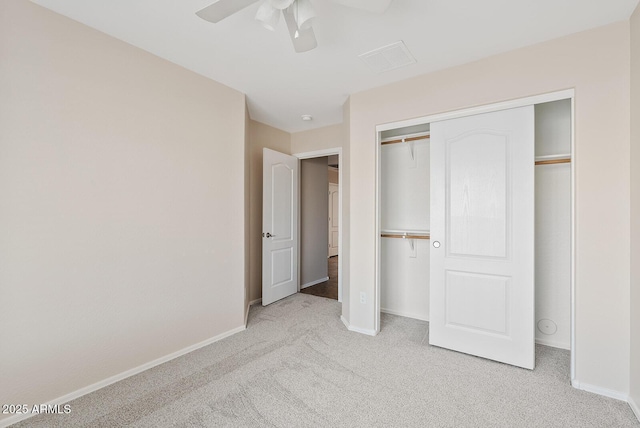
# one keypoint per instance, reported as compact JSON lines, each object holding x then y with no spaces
{"x":297,"y":366}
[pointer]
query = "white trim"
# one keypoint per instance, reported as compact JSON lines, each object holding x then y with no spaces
{"x":634,"y":406}
{"x":251,"y":303}
{"x":317,"y":154}
{"x":553,"y":344}
{"x":317,"y":281}
{"x":357,"y":329}
{"x":299,"y":215}
{"x":572,"y":359}
{"x":404,"y":314}
{"x":521,"y":102}
{"x":121,"y":376}
{"x":600,"y":391}
{"x":486,"y":108}
{"x":377,"y":242}
{"x":344,"y":321}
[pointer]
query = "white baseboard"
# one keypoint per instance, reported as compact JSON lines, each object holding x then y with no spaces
{"x":405,"y":314}
{"x":357,"y":329}
{"x":600,"y":391}
{"x":116,"y":378}
{"x":317,"y":281}
{"x":553,"y":344}
{"x":246,"y":314}
{"x":344,"y":321}
{"x":634,"y":406}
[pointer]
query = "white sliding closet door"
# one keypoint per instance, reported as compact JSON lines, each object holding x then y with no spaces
{"x":482,"y":235}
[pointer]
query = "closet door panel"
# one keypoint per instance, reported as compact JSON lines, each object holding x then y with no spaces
{"x":482,"y":231}
{"x":477,"y":194}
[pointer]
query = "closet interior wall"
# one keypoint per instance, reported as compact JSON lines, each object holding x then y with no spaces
{"x":553,"y":224}
{"x":404,"y":209}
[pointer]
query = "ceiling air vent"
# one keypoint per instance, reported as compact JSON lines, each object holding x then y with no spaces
{"x":389,"y":57}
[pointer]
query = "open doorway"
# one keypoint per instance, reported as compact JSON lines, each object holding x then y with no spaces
{"x":319,"y":227}
{"x":281,"y":226}
{"x":320,"y":215}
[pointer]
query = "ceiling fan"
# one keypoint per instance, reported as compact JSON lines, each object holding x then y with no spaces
{"x":298,"y":15}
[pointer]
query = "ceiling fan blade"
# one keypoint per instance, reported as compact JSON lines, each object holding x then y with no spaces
{"x":376,"y":6}
{"x":306,"y":39}
{"x":221,"y":9}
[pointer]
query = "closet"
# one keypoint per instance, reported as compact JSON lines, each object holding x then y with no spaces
{"x":553,"y":223}
{"x":404,"y":222}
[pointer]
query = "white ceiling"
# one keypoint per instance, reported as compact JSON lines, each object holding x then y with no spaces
{"x":281,"y":85}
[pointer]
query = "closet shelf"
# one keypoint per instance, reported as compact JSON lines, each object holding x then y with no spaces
{"x":407,"y":231}
{"x":406,"y":139}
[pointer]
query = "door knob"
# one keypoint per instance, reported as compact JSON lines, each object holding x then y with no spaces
{"x":436,"y":244}
{"x":270,"y":235}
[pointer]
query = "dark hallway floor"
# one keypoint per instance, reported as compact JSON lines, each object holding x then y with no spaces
{"x":328,"y":288}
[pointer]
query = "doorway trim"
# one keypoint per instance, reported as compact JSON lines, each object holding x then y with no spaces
{"x":487,"y":108}
{"x":320,"y":154}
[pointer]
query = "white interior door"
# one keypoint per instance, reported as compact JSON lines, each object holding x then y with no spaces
{"x":482,"y":236}
{"x":334,"y":205}
{"x":279,"y":226}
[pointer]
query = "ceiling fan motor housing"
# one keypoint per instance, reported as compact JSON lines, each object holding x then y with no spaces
{"x":298,"y":14}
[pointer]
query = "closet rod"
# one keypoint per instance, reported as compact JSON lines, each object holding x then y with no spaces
{"x":405,"y":140}
{"x":553,"y":161}
{"x":393,"y":235}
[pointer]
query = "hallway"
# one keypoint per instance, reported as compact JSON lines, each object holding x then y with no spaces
{"x":328,"y":289}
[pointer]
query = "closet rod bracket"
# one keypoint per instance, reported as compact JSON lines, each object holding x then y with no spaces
{"x":410,"y":147}
{"x":412,"y":245}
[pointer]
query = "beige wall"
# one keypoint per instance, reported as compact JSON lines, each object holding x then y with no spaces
{"x":327,"y":137}
{"x":602,"y":169}
{"x":121,"y":240}
{"x":314,"y":228}
{"x":635,"y":211}
{"x":260,"y":136}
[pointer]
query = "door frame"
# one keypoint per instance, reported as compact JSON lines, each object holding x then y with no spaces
{"x":320,"y":154}
{"x":487,"y":108}
{"x":338,"y":190}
